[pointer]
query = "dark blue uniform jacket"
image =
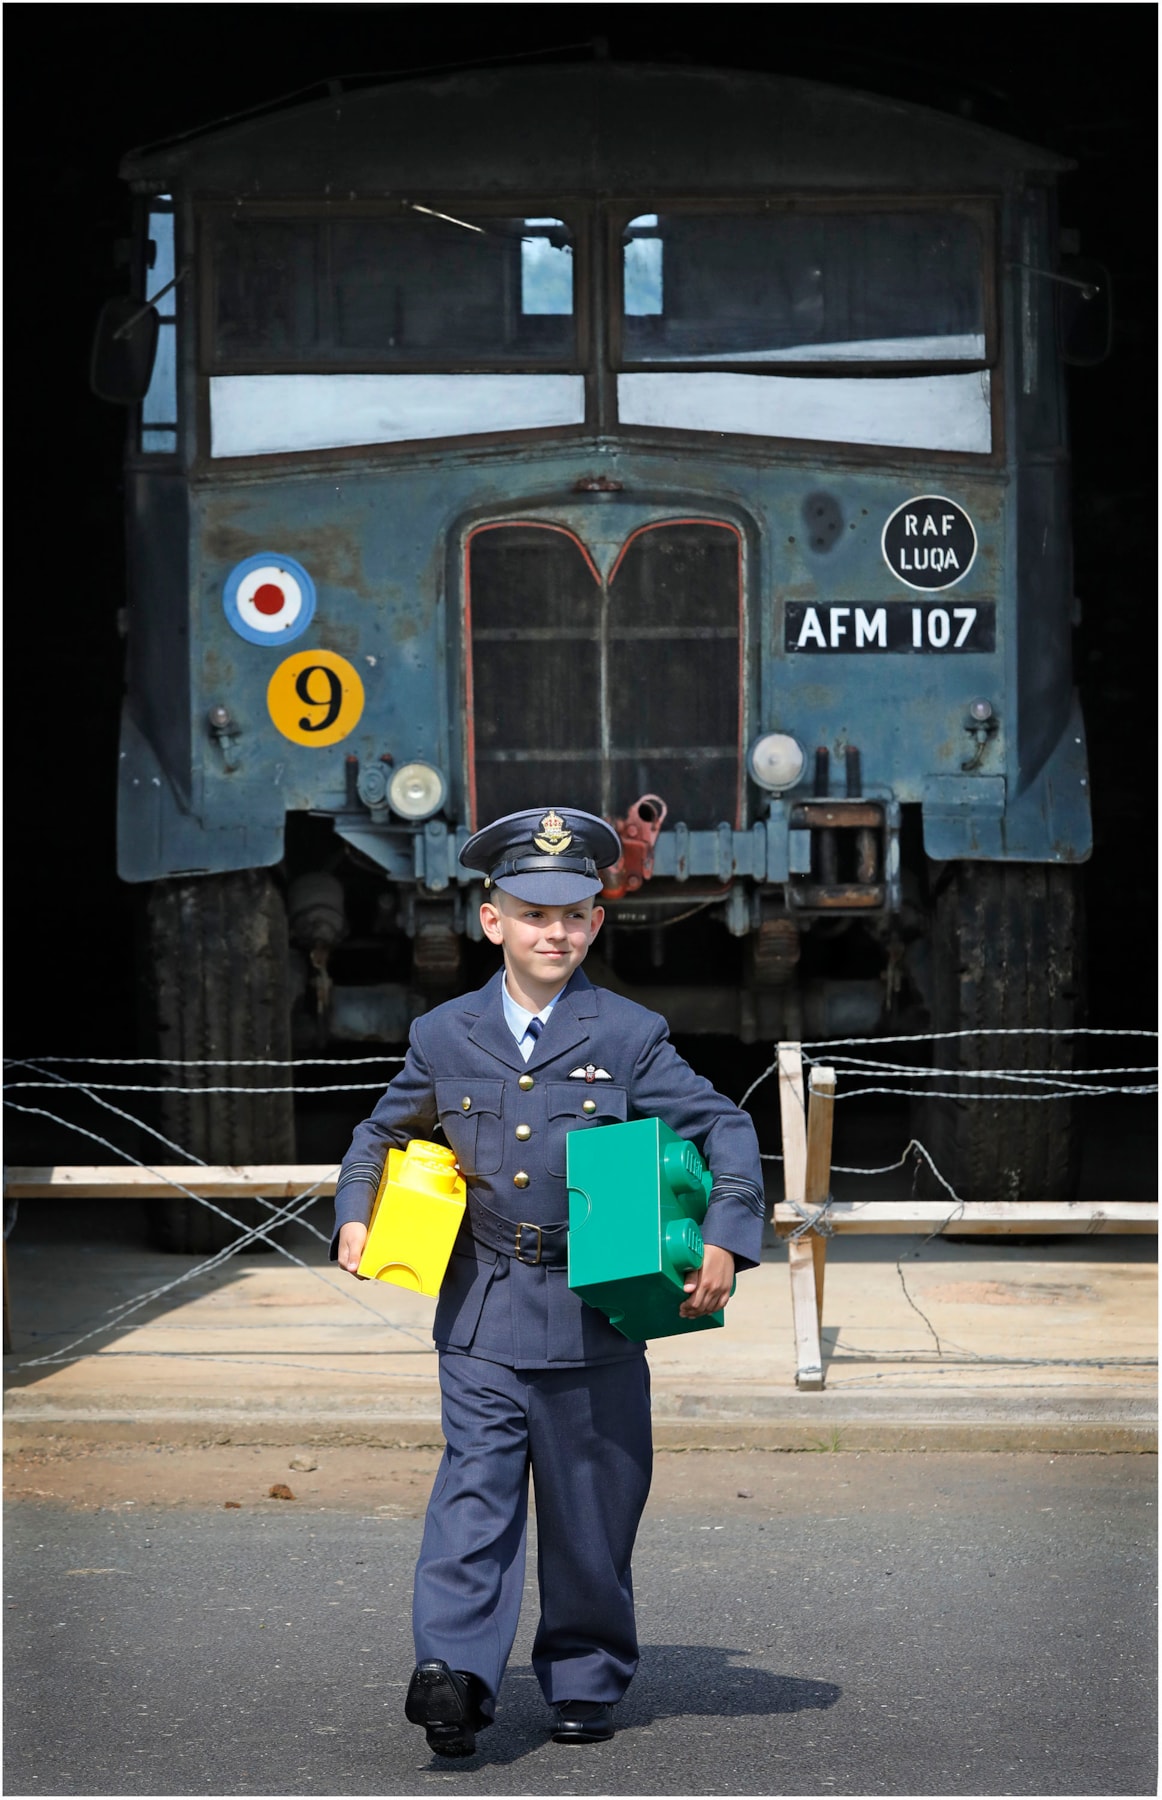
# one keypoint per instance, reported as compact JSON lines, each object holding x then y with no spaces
{"x":463,"y":1073}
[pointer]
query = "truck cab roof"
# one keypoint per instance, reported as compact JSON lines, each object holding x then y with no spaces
{"x":598,"y":128}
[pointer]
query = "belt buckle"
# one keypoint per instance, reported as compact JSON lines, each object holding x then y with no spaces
{"x":532,"y":1261}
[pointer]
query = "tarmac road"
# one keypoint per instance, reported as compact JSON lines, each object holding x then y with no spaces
{"x":962,"y":1623}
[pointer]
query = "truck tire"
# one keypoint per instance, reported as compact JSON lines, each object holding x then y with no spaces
{"x":217,"y":987}
{"x":1007,"y":955}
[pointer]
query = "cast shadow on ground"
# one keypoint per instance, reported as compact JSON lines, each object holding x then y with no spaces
{"x":80,"y":1272}
{"x":675,"y":1681}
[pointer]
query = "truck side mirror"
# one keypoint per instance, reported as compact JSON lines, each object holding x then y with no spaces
{"x":124,"y":348}
{"x":1085,"y":311}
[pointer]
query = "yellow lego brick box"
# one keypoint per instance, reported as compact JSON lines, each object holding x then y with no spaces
{"x":415,"y":1218}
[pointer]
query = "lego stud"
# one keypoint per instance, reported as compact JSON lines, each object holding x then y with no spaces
{"x":684,"y":1245}
{"x":682,"y":1167}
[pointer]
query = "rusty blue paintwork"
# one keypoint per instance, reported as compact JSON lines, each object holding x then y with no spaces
{"x":389,"y":601}
{"x":382,"y":528}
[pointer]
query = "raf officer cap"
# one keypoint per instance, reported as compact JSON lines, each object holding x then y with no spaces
{"x":549,"y":858}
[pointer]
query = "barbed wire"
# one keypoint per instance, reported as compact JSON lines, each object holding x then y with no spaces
{"x":934,"y":1037}
{"x":865,"y":1064}
{"x":1063,"y":1084}
{"x":79,"y":1087}
{"x":1067,"y":1092}
{"x":290,"y":1212}
{"x":344,"y":1062}
{"x":293,"y":1210}
{"x":901,"y":1162}
{"x":239,"y":1088}
{"x":1069,"y":1084}
{"x":168,"y":1180}
{"x":207,"y":1062}
{"x":1066,"y":1088}
{"x":816,"y":1217}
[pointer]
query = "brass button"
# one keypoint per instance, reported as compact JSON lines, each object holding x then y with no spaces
{"x":523,"y":1132}
{"x":526,"y":1082}
{"x":588,"y":1106}
{"x":466,"y":1103}
{"x":520,"y":1179}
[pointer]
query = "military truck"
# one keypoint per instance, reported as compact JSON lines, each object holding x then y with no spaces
{"x":682,"y":444}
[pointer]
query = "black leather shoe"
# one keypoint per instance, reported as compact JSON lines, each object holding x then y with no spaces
{"x":583,"y":1722}
{"x":445,"y":1702}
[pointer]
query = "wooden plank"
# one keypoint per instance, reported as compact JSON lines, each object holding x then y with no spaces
{"x":817,"y":1186}
{"x":818,"y":1245}
{"x":793,"y":1121}
{"x":273,"y":1181}
{"x":805,"y":1311}
{"x":805,"y":1305}
{"x":820,"y":1114}
{"x":283,"y":1180}
{"x":1000,"y":1217}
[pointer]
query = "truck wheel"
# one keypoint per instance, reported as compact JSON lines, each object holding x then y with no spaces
{"x":1007,"y":955}
{"x":217,"y":987}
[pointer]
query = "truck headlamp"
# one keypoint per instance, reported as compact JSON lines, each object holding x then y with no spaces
{"x":776,"y":761}
{"x":416,"y":791}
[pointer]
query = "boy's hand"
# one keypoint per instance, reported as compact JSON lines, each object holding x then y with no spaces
{"x":351,"y":1241}
{"x":708,"y":1288}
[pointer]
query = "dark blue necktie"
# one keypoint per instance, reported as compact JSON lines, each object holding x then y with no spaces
{"x":534,"y":1028}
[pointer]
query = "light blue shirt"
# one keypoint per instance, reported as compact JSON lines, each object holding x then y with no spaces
{"x":517,"y":1019}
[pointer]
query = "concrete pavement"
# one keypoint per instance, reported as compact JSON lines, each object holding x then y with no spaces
{"x":1046,"y":1344}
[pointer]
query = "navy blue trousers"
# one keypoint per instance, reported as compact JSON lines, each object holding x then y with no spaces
{"x":585,"y":1435}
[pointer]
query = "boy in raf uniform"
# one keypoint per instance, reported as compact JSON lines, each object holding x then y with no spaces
{"x":531,"y":1376}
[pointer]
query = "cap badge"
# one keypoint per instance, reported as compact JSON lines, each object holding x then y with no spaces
{"x":555,"y":840}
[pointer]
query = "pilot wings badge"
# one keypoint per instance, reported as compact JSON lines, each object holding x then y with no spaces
{"x":589,"y":1073}
{"x":555,"y":839}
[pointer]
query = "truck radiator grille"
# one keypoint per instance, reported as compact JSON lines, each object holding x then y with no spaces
{"x":589,"y":691}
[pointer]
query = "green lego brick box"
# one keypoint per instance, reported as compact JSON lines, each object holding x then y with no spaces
{"x":637,"y":1196}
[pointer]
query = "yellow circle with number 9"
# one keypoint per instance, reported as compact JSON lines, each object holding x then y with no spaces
{"x":315,"y":698}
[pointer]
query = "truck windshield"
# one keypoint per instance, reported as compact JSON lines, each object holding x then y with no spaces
{"x":432,"y":288}
{"x":811,"y":286}
{"x":159,"y":412}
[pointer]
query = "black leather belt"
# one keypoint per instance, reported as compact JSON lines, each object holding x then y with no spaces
{"x":517,"y":1238}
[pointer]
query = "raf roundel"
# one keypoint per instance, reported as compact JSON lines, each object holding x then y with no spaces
{"x":269,"y":599}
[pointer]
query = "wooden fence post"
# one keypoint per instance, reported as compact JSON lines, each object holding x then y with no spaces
{"x":806,"y":1178}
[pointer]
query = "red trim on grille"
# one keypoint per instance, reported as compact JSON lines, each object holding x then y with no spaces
{"x":469,"y":693}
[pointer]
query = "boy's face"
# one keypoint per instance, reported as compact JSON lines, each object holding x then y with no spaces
{"x":542,"y":944}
